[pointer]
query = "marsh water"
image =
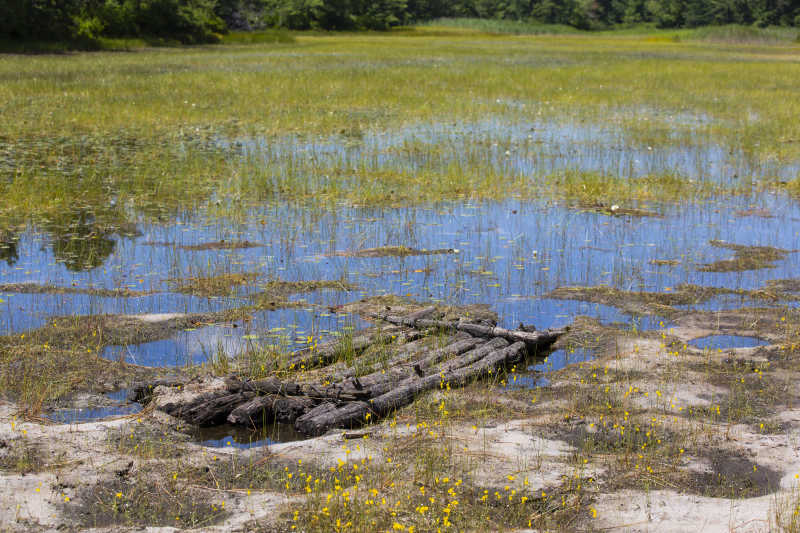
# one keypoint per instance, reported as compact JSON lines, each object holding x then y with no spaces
{"x":508,"y":253}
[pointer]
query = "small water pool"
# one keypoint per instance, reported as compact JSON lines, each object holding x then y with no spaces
{"x":536,"y":374}
{"x":230,"y":436}
{"x":76,"y":415}
{"x":725,"y":342}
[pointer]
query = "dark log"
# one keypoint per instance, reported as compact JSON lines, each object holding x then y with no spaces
{"x":318,"y":421}
{"x":263,"y":410}
{"x":272,"y":385}
{"x":214,"y":411}
{"x":142,"y":391}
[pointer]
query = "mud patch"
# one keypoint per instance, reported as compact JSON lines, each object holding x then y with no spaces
{"x":791,"y":285}
{"x":147,"y":441}
{"x":63,"y":358}
{"x":658,"y":303}
{"x":219,"y":285}
{"x":745,"y":258}
{"x":769,"y":323}
{"x":270,"y":472}
{"x":760,"y":212}
{"x":394,"y":251}
{"x":732,"y":475}
{"x":215,"y":245}
{"x":376,"y":305}
{"x":275,"y":294}
{"x":281,"y":288}
{"x":36,"y":288}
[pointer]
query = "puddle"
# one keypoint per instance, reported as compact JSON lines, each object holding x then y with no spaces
{"x":119,"y":407}
{"x":227,"y":435}
{"x":536,"y":374}
{"x":725,"y":342}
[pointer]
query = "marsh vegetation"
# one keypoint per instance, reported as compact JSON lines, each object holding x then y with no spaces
{"x":183,"y":214}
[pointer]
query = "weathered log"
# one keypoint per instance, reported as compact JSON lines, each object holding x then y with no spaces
{"x":142,"y":391}
{"x":343,"y":399}
{"x":414,"y":344}
{"x":400,"y":371}
{"x":179,"y":404}
{"x":405,"y":394}
{"x":263,"y":410}
{"x":409,"y":373}
{"x":328,"y":416}
{"x":272,"y":385}
{"x":215,"y":411}
{"x":317,"y":422}
{"x":531,"y":338}
{"x":411,"y":318}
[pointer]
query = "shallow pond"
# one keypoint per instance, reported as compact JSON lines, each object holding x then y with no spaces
{"x":508,"y":254}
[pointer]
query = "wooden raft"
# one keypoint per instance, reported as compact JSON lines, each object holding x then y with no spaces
{"x":339,"y":398}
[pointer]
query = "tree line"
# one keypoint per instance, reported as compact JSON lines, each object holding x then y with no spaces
{"x":196,"y":21}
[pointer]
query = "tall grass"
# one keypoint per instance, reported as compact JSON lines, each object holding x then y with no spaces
{"x":500,"y":26}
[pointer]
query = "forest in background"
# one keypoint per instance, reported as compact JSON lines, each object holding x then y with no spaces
{"x":84,"y":22}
